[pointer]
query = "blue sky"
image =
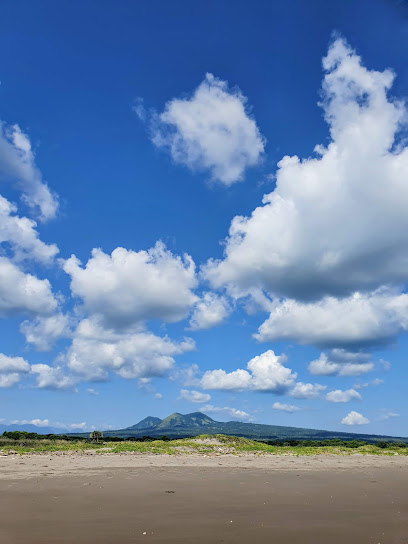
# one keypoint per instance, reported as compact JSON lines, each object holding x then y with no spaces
{"x":172,"y":238}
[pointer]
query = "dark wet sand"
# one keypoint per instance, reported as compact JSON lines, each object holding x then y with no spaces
{"x":207,"y":505}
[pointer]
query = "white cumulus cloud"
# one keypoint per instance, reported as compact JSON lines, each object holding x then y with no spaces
{"x":96,"y":351}
{"x":290,"y":408}
{"x":354,"y":418}
{"x":128,"y":287}
{"x":194,"y":396}
{"x":37,"y":422}
{"x":188,"y":376}
{"x":226,"y":381}
{"x":337,"y":222}
{"x":17,"y":166}
{"x":21,"y":234}
{"x":13,"y":364}
{"x":9,"y":379}
{"x":233,"y":413}
{"x":44,"y":331}
{"x":212,"y":130}
{"x":47,"y":423}
{"x":21,"y":292}
{"x":338,"y":362}
{"x":332,"y":234}
{"x":360,"y":319}
{"x":53,"y":377}
{"x":343,"y":396}
{"x":211,"y":310}
{"x":78,"y":426}
{"x":266,"y":372}
{"x":307,"y":390}
{"x":12,"y":369}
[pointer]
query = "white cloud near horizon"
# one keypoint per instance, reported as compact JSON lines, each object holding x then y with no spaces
{"x":37,"y":422}
{"x":233,"y":413}
{"x":355,"y":418}
{"x":47,"y":423}
{"x":212,"y":130}
{"x":77,"y":426}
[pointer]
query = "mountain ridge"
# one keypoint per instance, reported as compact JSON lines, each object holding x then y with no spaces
{"x":146,"y":423}
{"x":177,"y":420}
{"x":178,"y":425}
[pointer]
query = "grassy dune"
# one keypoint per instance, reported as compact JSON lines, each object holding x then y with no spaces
{"x":204,"y":444}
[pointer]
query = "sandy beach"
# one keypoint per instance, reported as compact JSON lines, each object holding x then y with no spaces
{"x":97,"y":498}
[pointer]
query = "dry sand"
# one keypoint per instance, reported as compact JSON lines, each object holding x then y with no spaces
{"x":203,"y":499}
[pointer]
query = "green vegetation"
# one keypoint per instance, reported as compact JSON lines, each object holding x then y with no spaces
{"x":23,"y":435}
{"x":96,"y":436}
{"x":22,"y":442}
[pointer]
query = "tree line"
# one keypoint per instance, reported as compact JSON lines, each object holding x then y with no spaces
{"x":93,"y":436}
{"x":337,"y":442}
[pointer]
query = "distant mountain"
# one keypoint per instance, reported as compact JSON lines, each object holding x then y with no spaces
{"x":146,"y":423}
{"x":178,"y":425}
{"x":30,"y":429}
{"x":176,"y":421}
